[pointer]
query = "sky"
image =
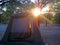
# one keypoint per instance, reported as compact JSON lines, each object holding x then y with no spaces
{"x":36,"y":1}
{"x":33,"y":1}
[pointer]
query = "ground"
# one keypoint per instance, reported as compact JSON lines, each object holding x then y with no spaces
{"x":49,"y":33}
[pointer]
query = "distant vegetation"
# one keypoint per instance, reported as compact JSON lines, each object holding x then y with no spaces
{"x":57,"y":18}
{"x":6,"y":16}
{"x":11,"y":7}
{"x":26,"y":5}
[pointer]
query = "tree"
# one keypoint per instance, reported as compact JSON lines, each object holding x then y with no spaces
{"x":11,"y":7}
{"x":47,"y":18}
{"x":57,"y":18}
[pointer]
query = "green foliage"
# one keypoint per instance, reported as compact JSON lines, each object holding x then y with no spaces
{"x":11,"y":7}
{"x":52,"y":1}
{"x":6,"y":16}
{"x":49,"y":16}
{"x":58,"y":6}
{"x":57,"y":18}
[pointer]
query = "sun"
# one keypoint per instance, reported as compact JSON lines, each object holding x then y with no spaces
{"x":36,"y":12}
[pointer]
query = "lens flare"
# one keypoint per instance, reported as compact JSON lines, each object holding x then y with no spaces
{"x":36,"y":12}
